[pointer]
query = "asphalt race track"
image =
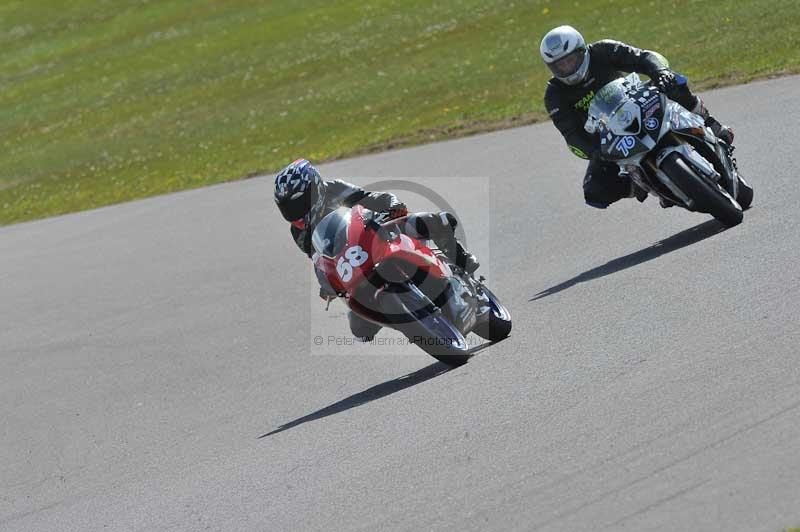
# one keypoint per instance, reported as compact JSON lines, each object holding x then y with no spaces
{"x":158,"y":371}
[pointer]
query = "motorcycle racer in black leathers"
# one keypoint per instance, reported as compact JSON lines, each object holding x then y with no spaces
{"x":579,"y":71}
{"x":304,"y":199}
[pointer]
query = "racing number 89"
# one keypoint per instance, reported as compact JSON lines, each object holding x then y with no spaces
{"x":356,"y":256}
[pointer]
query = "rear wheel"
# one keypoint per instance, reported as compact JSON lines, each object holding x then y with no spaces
{"x":710,"y":197}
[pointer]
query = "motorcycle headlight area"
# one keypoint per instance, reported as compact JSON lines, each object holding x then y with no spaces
{"x":680,"y":118}
{"x":626,"y":119}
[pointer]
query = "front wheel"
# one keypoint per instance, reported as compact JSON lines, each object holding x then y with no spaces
{"x":496,"y":325}
{"x":745,"y":198}
{"x":435,"y":335}
{"x":412,"y":313}
{"x":710,"y":197}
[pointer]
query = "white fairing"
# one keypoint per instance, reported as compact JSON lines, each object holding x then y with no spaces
{"x":615,"y":109}
{"x":615,"y":115}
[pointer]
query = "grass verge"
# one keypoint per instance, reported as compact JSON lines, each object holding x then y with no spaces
{"x":103,"y":102}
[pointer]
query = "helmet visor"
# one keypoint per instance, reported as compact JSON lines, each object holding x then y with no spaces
{"x":569,"y":64}
{"x":297,"y":208}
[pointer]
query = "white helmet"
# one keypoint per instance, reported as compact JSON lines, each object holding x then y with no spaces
{"x":565,"y":54}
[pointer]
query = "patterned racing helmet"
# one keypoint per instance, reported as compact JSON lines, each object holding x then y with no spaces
{"x":297,"y":189}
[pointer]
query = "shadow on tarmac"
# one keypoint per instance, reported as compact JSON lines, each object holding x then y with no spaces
{"x":677,"y":241}
{"x":376,"y":392}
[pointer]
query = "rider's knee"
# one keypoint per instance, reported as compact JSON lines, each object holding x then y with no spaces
{"x":418,"y":224}
{"x":425,"y":224}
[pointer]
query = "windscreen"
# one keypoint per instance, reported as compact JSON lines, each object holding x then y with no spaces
{"x":607,"y":100}
{"x":330,"y":236}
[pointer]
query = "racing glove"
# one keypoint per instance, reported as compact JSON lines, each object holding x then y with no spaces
{"x":665,"y":80}
{"x":397,"y":211}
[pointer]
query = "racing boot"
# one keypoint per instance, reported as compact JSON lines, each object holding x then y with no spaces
{"x":638,"y":192}
{"x":465,"y":260}
{"x":449,"y":245}
{"x":722,"y":132}
{"x":635,"y":190}
{"x":665,"y":203}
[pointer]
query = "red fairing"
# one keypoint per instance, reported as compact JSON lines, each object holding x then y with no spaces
{"x":327,"y":266}
{"x":365,"y":249}
{"x":412,"y":251}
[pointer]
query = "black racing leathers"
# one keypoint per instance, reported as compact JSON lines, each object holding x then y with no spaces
{"x":335,"y":194}
{"x":568,"y":105}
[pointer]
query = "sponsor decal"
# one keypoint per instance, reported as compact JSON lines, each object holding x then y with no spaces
{"x":553,"y":43}
{"x":583,"y":103}
{"x":647,"y":101}
{"x":651,"y":123}
{"x":651,"y":110}
{"x":554,"y":111}
{"x":606,"y":92}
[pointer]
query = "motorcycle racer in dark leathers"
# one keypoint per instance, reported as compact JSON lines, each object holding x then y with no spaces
{"x":304,"y":199}
{"x":579,"y":71}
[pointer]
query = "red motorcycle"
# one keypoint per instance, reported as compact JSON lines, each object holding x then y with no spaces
{"x":397,"y":281}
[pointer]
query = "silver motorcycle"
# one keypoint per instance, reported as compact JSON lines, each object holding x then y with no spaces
{"x":667,"y":150}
